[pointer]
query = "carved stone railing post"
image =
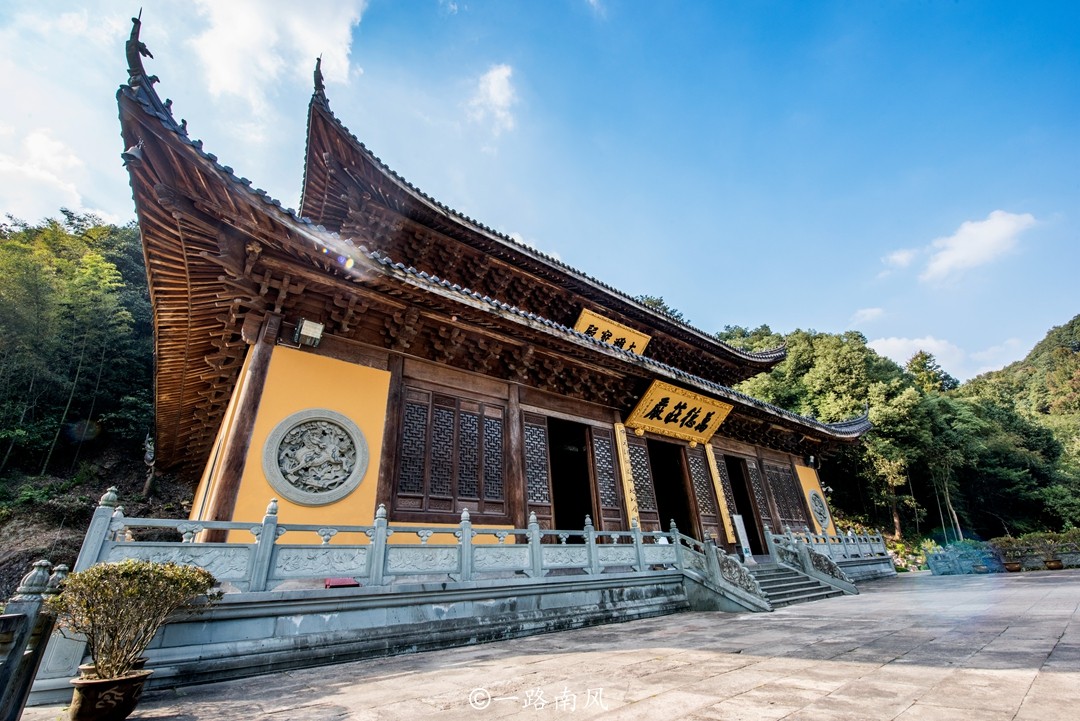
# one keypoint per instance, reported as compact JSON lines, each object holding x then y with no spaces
{"x":465,"y":536}
{"x":536,"y":553}
{"x":712,"y":563}
{"x":590,"y":544}
{"x":27,"y":626}
{"x":804,"y":555}
{"x":639,"y":547}
{"x":378,"y":547}
{"x":678,"y":546}
{"x":264,"y":549}
{"x":97,"y":533}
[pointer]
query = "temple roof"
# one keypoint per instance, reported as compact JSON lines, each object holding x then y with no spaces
{"x":328,"y":208}
{"x":197,"y":268}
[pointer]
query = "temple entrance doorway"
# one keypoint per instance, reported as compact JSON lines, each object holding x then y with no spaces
{"x":740,"y":488}
{"x":672,"y":490}
{"x":571,"y":479}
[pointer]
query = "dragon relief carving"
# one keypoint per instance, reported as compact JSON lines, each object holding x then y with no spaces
{"x":316,"y":456}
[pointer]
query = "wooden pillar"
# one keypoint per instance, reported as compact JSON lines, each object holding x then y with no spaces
{"x":515,"y":485}
{"x":384,"y":494}
{"x":238,"y":438}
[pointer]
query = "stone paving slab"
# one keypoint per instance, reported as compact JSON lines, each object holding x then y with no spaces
{"x":1001,"y":647}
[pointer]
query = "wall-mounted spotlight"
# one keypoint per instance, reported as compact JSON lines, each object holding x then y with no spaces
{"x":308,"y":332}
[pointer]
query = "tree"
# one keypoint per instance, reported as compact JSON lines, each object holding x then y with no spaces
{"x":929,"y":375}
{"x":657,"y":303}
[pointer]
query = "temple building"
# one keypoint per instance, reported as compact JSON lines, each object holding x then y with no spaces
{"x":377,"y":347}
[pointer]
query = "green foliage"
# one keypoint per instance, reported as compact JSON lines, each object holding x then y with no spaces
{"x":75,"y":318}
{"x":928,"y":375}
{"x":657,"y":303}
{"x":974,"y":460}
{"x":119,"y":607}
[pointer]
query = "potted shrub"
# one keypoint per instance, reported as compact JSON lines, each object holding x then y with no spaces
{"x":118,"y":607}
{"x":1011,"y":551}
{"x":1046,"y":545}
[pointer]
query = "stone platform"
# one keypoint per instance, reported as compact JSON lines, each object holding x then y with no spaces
{"x":913,"y":648}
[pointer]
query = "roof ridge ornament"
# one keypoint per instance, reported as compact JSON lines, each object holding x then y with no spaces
{"x":136,"y":51}
{"x":140,"y":85}
{"x":320,"y":86}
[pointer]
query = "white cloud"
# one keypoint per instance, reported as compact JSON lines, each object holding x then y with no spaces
{"x":250,"y":45}
{"x":949,"y":356}
{"x":998,"y":356}
{"x":598,"y":7}
{"x":900,"y":258}
{"x":518,"y":237}
{"x":37,"y":179}
{"x":493,"y":99}
{"x":975,"y":243}
{"x":865,"y":315}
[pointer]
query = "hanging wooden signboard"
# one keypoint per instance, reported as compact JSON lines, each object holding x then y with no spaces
{"x":678,"y":413}
{"x":608,"y":331}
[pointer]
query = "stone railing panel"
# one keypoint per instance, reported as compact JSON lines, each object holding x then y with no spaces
{"x":296,"y":561}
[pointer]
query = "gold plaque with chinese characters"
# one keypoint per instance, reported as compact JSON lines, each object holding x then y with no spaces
{"x":678,"y":413}
{"x":608,"y":331}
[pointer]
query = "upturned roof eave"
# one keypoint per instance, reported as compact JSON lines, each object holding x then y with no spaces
{"x":319,"y":107}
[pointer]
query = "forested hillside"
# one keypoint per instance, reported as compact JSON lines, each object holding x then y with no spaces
{"x":76,"y":361}
{"x":999,"y":454}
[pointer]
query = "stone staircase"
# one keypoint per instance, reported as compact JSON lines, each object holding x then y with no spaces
{"x":785,"y":586}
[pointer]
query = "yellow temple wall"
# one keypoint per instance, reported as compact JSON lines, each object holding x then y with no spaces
{"x":808,"y":479}
{"x":296,"y":381}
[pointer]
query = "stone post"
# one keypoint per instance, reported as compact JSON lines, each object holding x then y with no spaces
{"x":465,"y":536}
{"x":536,"y":553}
{"x":28,"y":630}
{"x":264,"y":548}
{"x":712,"y":562}
{"x":590,"y":544}
{"x":674,"y":533}
{"x":638,"y":544}
{"x":97,"y":532}
{"x":378,"y":537}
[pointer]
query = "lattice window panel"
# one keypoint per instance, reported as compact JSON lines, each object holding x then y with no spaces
{"x":451,"y":454}
{"x":413,"y":448}
{"x":536,"y":463}
{"x":442,"y":452}
{"x":469,"y":456}
{"x":725,"y":483}
{"x":788,"y":496}
{"x":604,"y":460}
{"x":643,"y":481}
{"x":760,"y":498}
{"x":493,"y":449}
{"x":699,"y":477}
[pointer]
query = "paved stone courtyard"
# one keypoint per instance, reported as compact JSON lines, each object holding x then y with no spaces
{"x":913,"y":648}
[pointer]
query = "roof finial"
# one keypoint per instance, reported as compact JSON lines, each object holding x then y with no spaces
{"x":320,"y":87}
{"x":136,"y":51}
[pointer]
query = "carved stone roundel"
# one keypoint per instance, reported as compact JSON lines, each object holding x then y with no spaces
{"x":315,"y":457}
{"x":820,"y":510}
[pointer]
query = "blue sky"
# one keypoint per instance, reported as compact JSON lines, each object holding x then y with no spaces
{"x":910,"y":170}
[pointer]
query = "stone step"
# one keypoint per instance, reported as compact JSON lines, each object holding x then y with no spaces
{"x":785,"y":586}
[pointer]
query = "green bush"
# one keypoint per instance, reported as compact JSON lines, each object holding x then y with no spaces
{"x":119,"y":607}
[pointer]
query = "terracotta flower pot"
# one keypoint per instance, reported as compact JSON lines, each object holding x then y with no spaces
{"x":1053,"y":565}
{"x":106,"y":699}
{"x":1013,"y":566}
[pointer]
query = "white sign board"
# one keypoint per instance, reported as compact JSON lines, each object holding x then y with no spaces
{"x":744,"y":544}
